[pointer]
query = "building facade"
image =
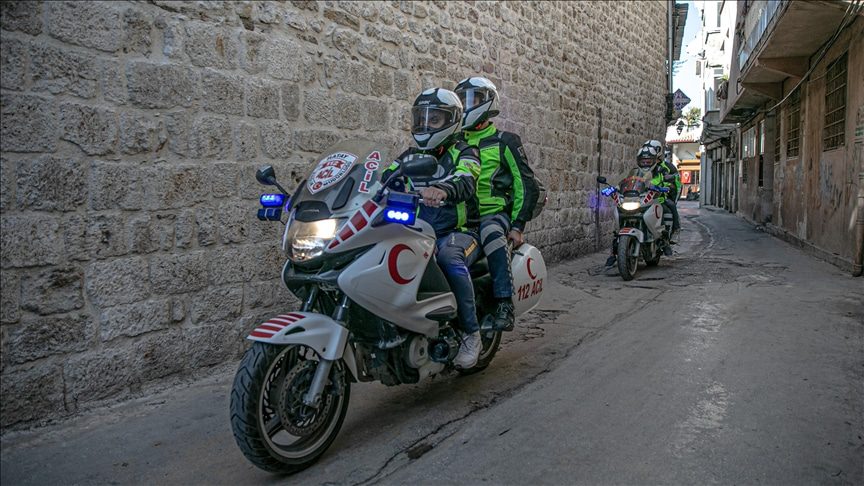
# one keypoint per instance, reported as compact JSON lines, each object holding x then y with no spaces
{"x":717,"y":161}
{"x":796,"y":92}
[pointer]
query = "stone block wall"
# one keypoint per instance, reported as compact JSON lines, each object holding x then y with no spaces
{"x":131,"y":132}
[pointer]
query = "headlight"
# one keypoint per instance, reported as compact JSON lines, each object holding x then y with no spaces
{"x":304,"y":241}
{"x":630,"y":206}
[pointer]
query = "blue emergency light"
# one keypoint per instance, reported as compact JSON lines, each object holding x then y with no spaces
{"x":272,"y":200}
{"x":401,"y":208}
{"x":607,"y":191}
{"x":399,"y":216}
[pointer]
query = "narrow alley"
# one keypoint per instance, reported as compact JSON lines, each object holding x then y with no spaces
{"x":738,"y":360}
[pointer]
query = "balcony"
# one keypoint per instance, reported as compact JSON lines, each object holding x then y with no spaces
{"x":779,"y":46}
{"x":765,"y":18}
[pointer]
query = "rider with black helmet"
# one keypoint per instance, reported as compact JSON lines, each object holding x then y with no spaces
{"x":449,"y":203}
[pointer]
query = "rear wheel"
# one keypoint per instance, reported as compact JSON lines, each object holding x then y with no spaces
{"x":274,"y":429}
{"x":627,"y":261}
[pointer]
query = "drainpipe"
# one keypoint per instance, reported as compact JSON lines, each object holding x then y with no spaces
{"x":669,"y":37}
{"x":857,"y":268}
{"x":597,"y":194}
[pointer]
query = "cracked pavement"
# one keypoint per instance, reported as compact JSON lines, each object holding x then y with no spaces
{"x":738,"y":360}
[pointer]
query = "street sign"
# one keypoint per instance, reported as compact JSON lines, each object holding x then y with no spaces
{"x":679,"y":99}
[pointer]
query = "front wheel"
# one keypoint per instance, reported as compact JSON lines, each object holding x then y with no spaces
{"x":491,"y":340}
{"x":274,"y":429}
{"x":628,"y":257}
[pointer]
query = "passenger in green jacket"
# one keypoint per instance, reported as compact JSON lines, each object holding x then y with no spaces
{"x":506,"y":188}
{"x":667,"y":175}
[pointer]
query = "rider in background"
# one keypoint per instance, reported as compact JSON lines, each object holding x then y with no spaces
{"x":506,"y":189}
{"x":647,"y":158}
{"x":449,"y":203}
{"x":667,"y":175}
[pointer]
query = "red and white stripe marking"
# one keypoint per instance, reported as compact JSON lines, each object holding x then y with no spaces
{"x":359,"y":221}
{"x":276,"y":324}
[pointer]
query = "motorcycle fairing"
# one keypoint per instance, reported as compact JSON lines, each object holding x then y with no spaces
{"x":653,"y":218}
{"x":345,"y":190}
{"x":321,"y":333}
{"x":386,"y":279}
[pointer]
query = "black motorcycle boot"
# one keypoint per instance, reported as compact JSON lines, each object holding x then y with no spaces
{"x":504,"y":318}
{"x":667,"y":250}
{"x":611,"y":260}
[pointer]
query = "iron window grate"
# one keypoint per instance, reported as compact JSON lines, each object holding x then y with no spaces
{"x":777,"y":119}
{"x":793,"y":124}
{"x":834,"y":133}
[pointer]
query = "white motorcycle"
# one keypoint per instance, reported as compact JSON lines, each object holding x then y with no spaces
{"x":375,"y":305}
{"x":644,"y":226}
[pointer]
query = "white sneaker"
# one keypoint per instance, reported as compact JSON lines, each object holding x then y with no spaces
{"x":469,"y":351}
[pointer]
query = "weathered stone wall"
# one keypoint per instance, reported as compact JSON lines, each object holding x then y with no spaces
{"x":131,"y":132}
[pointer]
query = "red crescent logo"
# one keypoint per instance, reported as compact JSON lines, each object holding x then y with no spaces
{"x":530,"y":273}
{"x":391,"y":264}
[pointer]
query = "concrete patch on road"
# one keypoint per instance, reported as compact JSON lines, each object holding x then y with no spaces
{"x":704,"y":421}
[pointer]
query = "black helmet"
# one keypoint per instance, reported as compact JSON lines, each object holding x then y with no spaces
{"x":479,"y":96}
{"x":435,"y":118}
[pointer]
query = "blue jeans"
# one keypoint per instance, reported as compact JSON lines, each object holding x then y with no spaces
{"x":493,"y":235}
{"x":671,"y":206}
{"x":456,"y":252}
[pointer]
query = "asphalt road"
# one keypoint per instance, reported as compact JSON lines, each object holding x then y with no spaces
{"x":739,"y":360}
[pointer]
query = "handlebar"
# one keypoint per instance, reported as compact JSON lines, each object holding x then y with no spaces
{"x":441,"y":204}
{"x":612,"y":190}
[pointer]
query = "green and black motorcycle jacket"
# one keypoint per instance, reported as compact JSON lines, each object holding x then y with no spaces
{"x":660,"y":171}
{"x":506,"y":182}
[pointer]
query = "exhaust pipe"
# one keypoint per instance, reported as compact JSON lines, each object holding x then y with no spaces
{"x":858,"y":262}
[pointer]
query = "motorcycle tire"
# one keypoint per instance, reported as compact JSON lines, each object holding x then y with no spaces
{"x":627,"y":263}
{"x":251,"y":411}
{"x":491,"y":342}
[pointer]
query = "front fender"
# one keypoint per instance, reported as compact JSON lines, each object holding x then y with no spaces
{"x":635,"y":232}
{"x":321,"y":333}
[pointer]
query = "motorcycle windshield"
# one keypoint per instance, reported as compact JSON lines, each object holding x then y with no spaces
{"x":636,"y":181}
{"x":345,"y":176}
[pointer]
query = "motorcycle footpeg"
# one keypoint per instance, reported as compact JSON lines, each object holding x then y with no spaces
{"x":488,"y":327}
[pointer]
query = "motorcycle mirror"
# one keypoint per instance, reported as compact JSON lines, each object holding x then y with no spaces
{"x":266,"y":175}
{"x":419,"y":166}
{"x":601,"y":179}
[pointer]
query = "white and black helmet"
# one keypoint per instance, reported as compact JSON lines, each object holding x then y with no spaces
{"x":435,"y":118}
{"x":649,"y":154}
{"x":479,"y":96}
